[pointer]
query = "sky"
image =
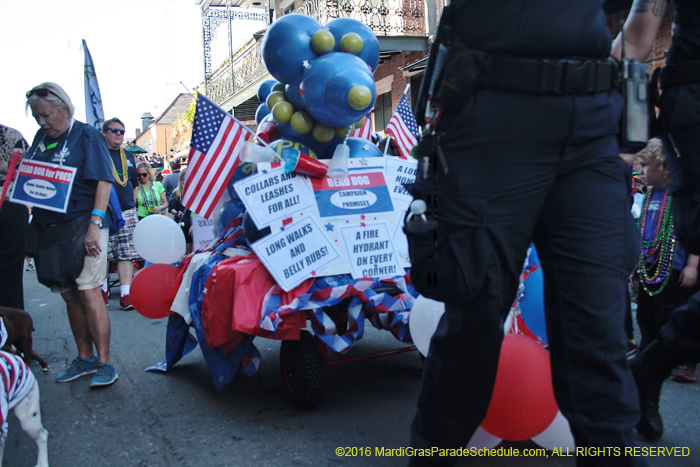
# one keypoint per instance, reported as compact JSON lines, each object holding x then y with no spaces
{"x":141,"y":50}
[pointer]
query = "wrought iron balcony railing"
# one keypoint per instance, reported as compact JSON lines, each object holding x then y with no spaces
{"x":384,"y":17}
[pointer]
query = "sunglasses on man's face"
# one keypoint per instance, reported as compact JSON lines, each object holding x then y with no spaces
{"x":116,"y":130}
{"x":42,"y":92}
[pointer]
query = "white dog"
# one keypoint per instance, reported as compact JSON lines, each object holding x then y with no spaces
{"x":19,"y":390}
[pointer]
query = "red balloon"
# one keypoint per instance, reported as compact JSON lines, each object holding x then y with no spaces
{"x":148,"y":290}
{"x":523,"y":404}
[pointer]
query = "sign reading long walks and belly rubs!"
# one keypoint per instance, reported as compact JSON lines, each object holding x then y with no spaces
{"x":44,"y":185}
{"x":273,"y":195}
{"x":295,"y":253}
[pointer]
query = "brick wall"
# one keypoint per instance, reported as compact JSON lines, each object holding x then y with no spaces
{"x":393,"y":67}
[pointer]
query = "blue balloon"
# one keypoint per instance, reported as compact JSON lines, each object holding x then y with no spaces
{"x":265,"y":88}
{"x":286,"y":148}
{"x":360,"y":148}
{"x":532,"y":304}
{"x":326,"y":85}
{"x":261,"y":112}
{"x":321,"y":150}
{"x":291,"y":92}
{"x":251,"y":231}
{"x":228,"y":213}
{"x":370,"y":48}
{"x":287,"y":45}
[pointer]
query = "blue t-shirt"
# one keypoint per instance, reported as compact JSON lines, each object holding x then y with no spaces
{"x":125,"y":193}
{"x":86,"y":151}
{"x":680,"y":257}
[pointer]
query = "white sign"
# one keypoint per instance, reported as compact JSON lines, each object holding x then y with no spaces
{"x":273,"y":195}
{"x":399,"y":172}
{"x":371,"y":251}
{"x":295,"y":253}
{"x":202,"y":232}
{"x":400,"y":240}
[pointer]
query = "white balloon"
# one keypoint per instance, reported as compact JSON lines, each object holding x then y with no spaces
{"x":158,"y":239}
{"x":557,"y":435}
{"x":423,"y":321}
{"x":482,"y":439}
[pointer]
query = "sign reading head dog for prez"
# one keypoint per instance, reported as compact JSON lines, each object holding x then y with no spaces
{"x":43,"y":185}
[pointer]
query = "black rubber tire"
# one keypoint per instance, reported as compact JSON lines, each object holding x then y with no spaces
{"x":302,"y":369}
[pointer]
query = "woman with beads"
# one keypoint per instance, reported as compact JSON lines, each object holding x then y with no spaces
{"x":150,"y":195}
{"x":667,"y":275}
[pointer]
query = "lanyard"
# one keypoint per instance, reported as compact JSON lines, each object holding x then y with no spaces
{"x":63,"y":154}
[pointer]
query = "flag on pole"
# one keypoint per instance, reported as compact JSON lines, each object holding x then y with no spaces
{"x":365,"y":131}
{"x":94,"y":113}
{"x":403,"y":128}
{"x":217,"y":140}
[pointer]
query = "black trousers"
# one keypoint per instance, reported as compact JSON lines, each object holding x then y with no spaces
{"x":680,"y":122}
{"x":547,"y":169}
{"x":13,"y":232}
{"x":653,"y":311}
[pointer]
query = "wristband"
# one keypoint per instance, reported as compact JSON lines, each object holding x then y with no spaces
{"x":97,"y":212}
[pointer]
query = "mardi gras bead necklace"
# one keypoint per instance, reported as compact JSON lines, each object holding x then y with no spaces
{"x":661,"y":247}
{"x":123,"y":177}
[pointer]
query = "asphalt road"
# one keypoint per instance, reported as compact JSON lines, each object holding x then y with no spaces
{"x":180,"y":419}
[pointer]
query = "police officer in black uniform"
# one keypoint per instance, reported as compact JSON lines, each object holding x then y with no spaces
{"x":529,"y":155}
{"x":679,"y":115}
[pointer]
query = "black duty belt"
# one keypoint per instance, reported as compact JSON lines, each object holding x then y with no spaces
{"x":543,"y":76}
{"x":679,"y":74}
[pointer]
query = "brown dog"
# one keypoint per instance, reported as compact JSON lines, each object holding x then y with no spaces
{"x":19,"y":327}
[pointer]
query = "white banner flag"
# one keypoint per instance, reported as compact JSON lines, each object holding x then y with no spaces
{"x":94,"y":113}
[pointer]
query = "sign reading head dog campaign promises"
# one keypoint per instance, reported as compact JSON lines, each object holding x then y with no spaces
{"x":44,"y":185}
{"x":371,"y":252}
{"x":295,"y":253}
{"x":359,"y":192}
{"x":273,"y":194}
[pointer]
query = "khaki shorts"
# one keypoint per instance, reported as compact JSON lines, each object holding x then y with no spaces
{"x":94,"y":270}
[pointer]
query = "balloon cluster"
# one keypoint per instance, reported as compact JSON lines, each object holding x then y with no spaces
{"x":323,"y":87}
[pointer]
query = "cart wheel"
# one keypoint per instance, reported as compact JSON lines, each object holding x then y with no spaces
{"x":302,"y":371}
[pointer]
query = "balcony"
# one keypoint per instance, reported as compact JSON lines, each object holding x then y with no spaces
{"x":399,"y":25}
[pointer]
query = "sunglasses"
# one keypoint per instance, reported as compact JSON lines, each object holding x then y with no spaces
{"x":116,"y":130}
{"x":143,"y":175}
{"x":42,"y":92}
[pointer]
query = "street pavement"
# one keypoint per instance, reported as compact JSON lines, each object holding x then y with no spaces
{"x":180,"y":419}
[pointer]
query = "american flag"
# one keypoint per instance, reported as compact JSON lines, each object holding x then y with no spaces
{"x":403,"y":128}
{"x":217,"y":139}
{"x":365,"y":131}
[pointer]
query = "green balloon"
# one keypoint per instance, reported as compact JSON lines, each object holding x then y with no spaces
{"x":277,"y":87}
{"x":342,"y":131}
{"x":282,"y":112}
{"x":360,"y":122}
{"x":302,"y":122}
{"x":322,"y":133}
{"x":274,"y":98}
{"x":351,"y":43}
{"x":359,"y":97}
{"x":322,"y":41}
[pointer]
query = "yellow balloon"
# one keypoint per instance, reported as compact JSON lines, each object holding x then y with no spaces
{"x":342,"y":131}
{"x":302,"y":122}
{"x":359,"y":97}
{"x":361,"y":122}
{"x":322,"y":133}
{"x":274,"y":98}
{"x":282,"y":112}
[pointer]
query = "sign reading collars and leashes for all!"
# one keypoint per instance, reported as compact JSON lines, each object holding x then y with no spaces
{"x":43,"y":185}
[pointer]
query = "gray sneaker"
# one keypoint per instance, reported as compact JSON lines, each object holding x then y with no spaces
{"x":104,"y":376}
{"x":79,"y":367}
